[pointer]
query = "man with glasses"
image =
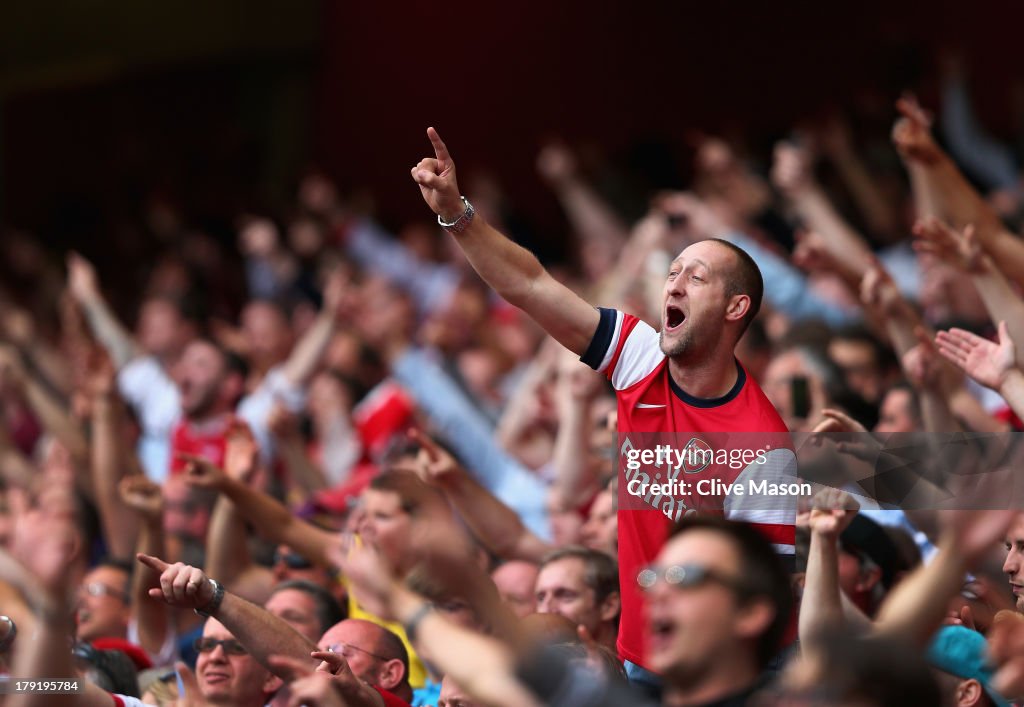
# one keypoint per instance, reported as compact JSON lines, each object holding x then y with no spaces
{"x":227,"y":674}
{"x":374,"y":654}
{"x":718,"y":602}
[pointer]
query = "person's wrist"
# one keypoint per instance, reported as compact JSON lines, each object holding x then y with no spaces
{"x":1012,"y":382}
{"x":210,"y":607}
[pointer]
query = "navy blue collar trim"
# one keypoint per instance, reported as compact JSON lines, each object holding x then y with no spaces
{"x":741,"y":378}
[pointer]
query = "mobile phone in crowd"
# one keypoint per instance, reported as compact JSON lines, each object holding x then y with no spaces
{"x":800,"y":396}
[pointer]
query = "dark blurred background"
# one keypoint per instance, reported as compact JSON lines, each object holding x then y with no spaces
{"x":115,"y":112}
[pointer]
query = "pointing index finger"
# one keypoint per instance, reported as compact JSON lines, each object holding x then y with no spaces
{"x":440,"y":151}
{"x":154,"y":562}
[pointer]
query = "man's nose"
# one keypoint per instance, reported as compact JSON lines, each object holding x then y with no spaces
{"x":1012,"y":564}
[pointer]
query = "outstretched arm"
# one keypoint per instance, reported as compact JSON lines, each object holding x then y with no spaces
{"x":272,"y":519}
{"x":514,"y":272}
{"x":496,"y":525}
{"x":262,"y":633}
{"x":941,"y":190}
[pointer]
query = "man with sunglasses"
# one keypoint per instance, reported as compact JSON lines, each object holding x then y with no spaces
{"x":227,"y":674}
{"x":718,"y":605}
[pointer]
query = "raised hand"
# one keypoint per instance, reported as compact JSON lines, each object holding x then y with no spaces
{"x":911,"y":133}
{"x":960,"y":250}
{"x":241,"y":453}
{"x":433,"y":464}
{"x":832,"y":511}
{"x":327,"y":686}
{"x":879,"y":293}
{"x":370,"y":579}
{"x":436,"y":178}
{"x":854,"y":438}
{"x":181,"y":585}
{"x":985,"y":361}
{"x":142,"y":495}
{"x":556,"y":163}
{"x":82,"y":281}
{"x":791,"y":169}
{"x":925,"y":368}
{"x":202,"y":473}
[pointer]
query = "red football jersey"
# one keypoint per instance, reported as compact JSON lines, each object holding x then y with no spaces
{"x":712,"y":446}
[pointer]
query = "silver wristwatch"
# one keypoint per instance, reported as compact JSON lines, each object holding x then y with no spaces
{"x":462,"y":222}
{"x":218,"y":597}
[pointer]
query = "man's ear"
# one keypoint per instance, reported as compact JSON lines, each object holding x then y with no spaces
{"x":867,"y":579}
{"x":738,"y":307}
{"x":391,"y":674}
{"x":754,"y":618}
{"x":611,"y":607}
{"x":272,"y":684}
{"x":969,"y":693}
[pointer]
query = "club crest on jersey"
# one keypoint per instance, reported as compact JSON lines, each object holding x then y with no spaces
{"x":697,"y":456}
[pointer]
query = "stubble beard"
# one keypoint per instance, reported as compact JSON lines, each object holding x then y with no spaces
{"x":676,"y":348}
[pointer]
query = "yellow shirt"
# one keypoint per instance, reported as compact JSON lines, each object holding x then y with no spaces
{"x":417,"y":671}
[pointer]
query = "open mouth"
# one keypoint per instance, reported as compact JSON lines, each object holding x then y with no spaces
{"x":673,"y":317}
{"x":661,"y":632}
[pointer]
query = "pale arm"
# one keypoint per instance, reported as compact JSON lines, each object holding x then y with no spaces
{"x":944,"y":192}
{"x":821,"y":606}
{"x":262,"y":633}
{"x":274,"y":521}
{"x":915,"y":608}
{"x":119,"y":523}
{"x":496,"y":525}
{"x":154,"y":623}
{"x":102,"y":321}
{"x":510,"y":269}
{"x":306,"y":355}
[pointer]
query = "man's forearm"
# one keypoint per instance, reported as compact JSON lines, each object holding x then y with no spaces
{"x":821,"y":606}
{"x":262,"y":633}
{"x":496,"y":525}
{"x":119,"y":523}
{"x":517,"y":275}
{"x":152,"y":616}
{"x":306,"y":355}
{"x":109,"y":331}
{"x":276,"y":523}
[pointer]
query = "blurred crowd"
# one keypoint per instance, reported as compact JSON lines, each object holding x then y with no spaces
{"x":330,"y":466}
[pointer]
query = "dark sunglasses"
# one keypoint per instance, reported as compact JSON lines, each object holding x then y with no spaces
{"x":230,"y":646}
{"x":292,"y":560}
{"x":686,"y":576}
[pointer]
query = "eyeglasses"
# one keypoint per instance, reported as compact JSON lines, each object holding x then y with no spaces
{"x":345,"y":651}
{"x":292,"y":560}
{"x":686,"y":576}
{"x":98,"y":589}
{"x":230,"y":646}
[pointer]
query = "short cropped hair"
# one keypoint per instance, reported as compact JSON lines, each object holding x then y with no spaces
{"x":746,"y":280}
{"x":600,"y":571}
{"x":328,"y":610}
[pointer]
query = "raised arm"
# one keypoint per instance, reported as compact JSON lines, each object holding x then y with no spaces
{"x":941,"y":190}
{"x":227,"y":551}
{"x":272,"y":519}
{"x":102,"y":321}
{"x":262,"y":633}
{"x":496,"y":525}
{"x":915,"y":607}
{"x":305,"y":357}
{"x":510,"y":269}
{"x":108,"y":463}
{"x":821,"y":607}
{"x":144,"y":497}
